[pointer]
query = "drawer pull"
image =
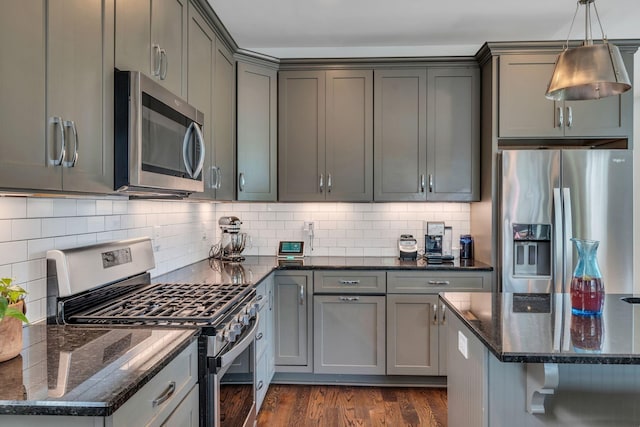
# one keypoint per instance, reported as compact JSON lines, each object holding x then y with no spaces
{"x":259,"y":297}
{"x":260,"y":385}
{"x":443,"y":319}
{"x":435,"y":314}
{"x":259,"y":336}
{"x":438,"y":282}
{"x":349,"y":299}
{"x":165,"y":395}
{"x":349,"y":282}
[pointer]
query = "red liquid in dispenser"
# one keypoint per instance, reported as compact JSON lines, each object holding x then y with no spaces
{"x":587,"y":295}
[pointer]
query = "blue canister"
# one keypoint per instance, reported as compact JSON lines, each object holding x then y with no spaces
{"x":466,"y":246}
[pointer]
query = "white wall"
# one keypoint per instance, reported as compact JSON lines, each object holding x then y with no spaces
{"x":31,"y":226}
{"x":343,"y":229}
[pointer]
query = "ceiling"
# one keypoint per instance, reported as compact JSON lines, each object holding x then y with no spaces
{"x":362,"y":28}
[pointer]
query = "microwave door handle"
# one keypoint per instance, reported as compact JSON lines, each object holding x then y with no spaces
{"x":200,"y":139}
{"x":185,"y":150}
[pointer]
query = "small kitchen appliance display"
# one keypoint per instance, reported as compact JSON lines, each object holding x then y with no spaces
{"x":408,"y":247}
{"x":232,"y":241}
{"x":291,"y":249}
{"x":437,"y":242}
{"x":109,"y":284}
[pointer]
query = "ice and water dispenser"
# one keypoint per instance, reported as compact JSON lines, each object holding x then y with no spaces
{"x":532,"y":250}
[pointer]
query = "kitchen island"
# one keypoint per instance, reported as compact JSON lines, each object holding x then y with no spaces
{"x":526,"y":360}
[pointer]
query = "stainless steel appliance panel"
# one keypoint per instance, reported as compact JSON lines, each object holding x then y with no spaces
{"x":598,"y":203}
{"x":528,"y":182}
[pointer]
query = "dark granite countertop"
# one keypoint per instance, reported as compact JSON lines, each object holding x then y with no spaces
{"x":540,"y":328}
{"x":84,"y":371}
{"x":255,"y":268}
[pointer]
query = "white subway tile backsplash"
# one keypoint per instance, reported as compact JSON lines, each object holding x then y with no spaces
{"x":11,"y":252}
{"x":5,"y":230}
{"x":52,"y":227}
{"x":86,"y":207}
{"x":64,"y":207}
{"x":39,"y":208}
{"x":13,"y":207}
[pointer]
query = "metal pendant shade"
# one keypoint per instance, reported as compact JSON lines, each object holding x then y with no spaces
{"x":592,"y":71}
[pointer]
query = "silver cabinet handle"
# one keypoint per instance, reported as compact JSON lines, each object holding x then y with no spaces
{"x":218,"y":177}
{"x":213,"y":176}
{"x":259,"y":336}
{"x":155,"y":71}
{"x":435,"y":314}
{"x":72,"y":125}
{"x":321,"y":182}
{"x":349,"y":299}
{"x":430,"y":183}
{"x":301,"y":294}
{"x":443,"y":319}
{"x":438,"y":282}
{"x":422,"y":183}
{"x":260,"y":385}
{"x":164,"y":64}
{"x":569,"y":117}
{"x":166,"y":394}
{"x":349,"y":282}
{"x":57,"y":121}
{"x":560,"y":117}
{"x":270,"y":300}
{"x":241,"y":181}
{"x":329,"y":183}
{"x":259,"y":297}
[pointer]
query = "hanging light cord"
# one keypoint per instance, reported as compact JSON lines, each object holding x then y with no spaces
{"x":587,"y":30}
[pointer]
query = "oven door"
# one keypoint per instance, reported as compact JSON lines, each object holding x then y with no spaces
{"x":234,"y":389}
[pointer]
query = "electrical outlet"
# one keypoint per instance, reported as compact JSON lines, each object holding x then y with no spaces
{"x":462,"y":345}
{"x":308,"y":225}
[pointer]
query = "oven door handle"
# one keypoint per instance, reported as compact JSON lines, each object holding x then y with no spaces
{"x":227,"y":358}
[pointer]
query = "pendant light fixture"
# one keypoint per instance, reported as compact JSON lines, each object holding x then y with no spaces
{"x":591,"y":71}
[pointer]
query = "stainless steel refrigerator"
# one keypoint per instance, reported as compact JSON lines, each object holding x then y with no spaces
{"x":549,"y":196}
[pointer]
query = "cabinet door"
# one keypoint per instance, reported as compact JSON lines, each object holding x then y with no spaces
{"x":200,"y":81}
{"x":523,"y":109}
{"x":292,"y":321}
{"x":453,"y":134}
{"x":349,"y":148}
{"x":223,"y":122}
{"x":80,"y":89}
{"x":400,"y":134}
{"x":412,"y":335}
{"x":26,"y":158}
{"x":132,"y":36}
{"x":301,"y":136}
{"x":257,"y":133}
{"x":610,"y":116}
{"x":349,"y":334}
{"x":169,"y":21}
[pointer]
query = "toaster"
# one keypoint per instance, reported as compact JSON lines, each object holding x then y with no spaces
{"x":408,"y":247}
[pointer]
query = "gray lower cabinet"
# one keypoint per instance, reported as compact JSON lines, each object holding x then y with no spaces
{"x":413,"y":335}
{"x":257,"y":137}
{"x":427,"y":134}
{"x":265,"y":357}
{"x":293,"y":321}
{"x":210,"y":83}
{"x":325,"y":146}
{"x":151,"y":37}
{"x":525,"y":112}
{"x":57,"y":104}
{"x":349,"y":334}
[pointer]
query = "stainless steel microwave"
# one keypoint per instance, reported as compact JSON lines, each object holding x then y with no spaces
{"x":159,"y":148}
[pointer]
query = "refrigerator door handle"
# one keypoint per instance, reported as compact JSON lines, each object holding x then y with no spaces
{"x":568,"y":234}
{"x":558,"y":276}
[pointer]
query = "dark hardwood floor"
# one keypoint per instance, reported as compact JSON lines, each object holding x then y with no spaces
{"x":301,"y":405}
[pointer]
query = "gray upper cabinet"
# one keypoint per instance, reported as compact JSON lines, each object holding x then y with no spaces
{"x":257,"y":133}
{"x":453,"y":134}
{"x":210,"y":88}
{"x":223,"y":147}
{"x":151,"y":37}
{"x":525,"y":112}
{"x":400,"y":134}
{"x":73,"y":149}
{"x":325,"y":135}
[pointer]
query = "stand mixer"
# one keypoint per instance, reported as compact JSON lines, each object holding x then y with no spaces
{"x":232,"y":242}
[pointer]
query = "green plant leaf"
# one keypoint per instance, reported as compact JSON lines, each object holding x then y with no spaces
{"x":4,"y":304}
{"x":13,"y":312}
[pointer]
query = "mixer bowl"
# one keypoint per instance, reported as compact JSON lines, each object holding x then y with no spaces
{"x":233,"y":243}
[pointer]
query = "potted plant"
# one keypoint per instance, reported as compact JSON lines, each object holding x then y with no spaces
{"x":12,"y":315}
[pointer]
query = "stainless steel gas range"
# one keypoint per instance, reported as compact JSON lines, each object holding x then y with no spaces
{"x":110,"y":284}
